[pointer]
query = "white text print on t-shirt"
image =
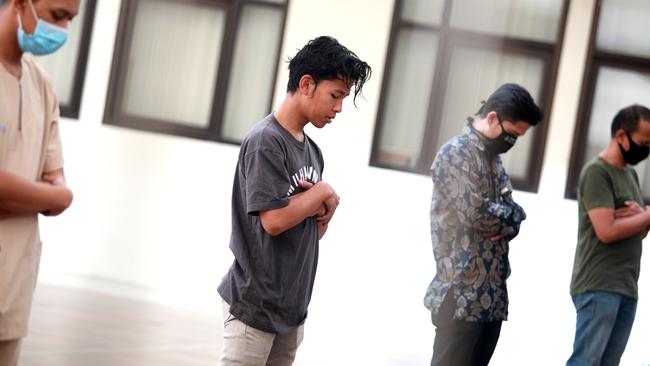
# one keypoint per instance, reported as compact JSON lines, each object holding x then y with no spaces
{"x":308,"y":174}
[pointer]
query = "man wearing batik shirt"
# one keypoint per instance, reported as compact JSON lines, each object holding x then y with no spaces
{"x":473,"y":218}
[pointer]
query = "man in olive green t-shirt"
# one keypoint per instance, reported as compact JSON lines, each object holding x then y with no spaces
{"x":612,"y":222}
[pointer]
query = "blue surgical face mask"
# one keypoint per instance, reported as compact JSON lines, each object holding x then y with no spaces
{"x":46,"y":39}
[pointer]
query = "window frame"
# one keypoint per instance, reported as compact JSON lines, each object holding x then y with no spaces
{"x":596,"y":59}
{"x":233,"y":12}
{"x":448,"y":39}
{"x":72,"y":109}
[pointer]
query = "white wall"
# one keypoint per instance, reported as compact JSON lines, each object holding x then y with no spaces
{"x":151,"y":216}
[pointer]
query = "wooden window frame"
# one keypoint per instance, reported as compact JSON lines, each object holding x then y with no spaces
{"x":448,"y":39}
{"x":596,"y":59}
{"x":71,"y":109}
{"x":233,"y":12}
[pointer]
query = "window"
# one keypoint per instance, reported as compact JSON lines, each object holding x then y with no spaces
{"x":445,"y":57}
{"x":67,"y":66}
{"x":617,"y":75}
{"x":202,"y":68}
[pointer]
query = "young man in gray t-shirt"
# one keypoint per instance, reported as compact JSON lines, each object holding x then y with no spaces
{"x":281,"y":208}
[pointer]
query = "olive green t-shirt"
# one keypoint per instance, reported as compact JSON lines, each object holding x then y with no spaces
{"x":599,"y":267}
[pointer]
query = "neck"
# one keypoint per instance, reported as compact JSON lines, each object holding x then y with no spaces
{"x":10,"y":52}
{"x":290,"y":117}
{"x":612,"y":154}
{"x":480,"y":125}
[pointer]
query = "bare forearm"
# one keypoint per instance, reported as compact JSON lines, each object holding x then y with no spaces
{"x":306,"y":205}
{"x":21,"y":196}
{"x":623,"y":228}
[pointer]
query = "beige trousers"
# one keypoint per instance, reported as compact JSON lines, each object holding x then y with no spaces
{"x":244,"y":345}
{"x":9,"y":351}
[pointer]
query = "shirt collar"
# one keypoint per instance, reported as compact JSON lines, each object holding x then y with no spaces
{"x":474,"y":137}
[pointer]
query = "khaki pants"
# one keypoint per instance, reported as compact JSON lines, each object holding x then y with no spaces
{"x":9,"y":351}
{"x":244,"y":345}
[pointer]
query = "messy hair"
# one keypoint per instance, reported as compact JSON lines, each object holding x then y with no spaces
{"x":324,"y":58}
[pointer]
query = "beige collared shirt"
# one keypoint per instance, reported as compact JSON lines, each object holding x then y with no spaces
{"x":29,"y":146}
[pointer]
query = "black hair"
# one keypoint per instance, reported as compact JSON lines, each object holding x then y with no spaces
{"x":324,"y":58}
{"x":629,"y":118}
{"x":513,"y":103}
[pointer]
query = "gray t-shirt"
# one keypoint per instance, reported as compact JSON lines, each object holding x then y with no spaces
{"x":269,"y":285}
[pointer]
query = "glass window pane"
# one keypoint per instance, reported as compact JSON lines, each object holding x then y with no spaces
{"x":252,"y":77}
{"x":171,"y":71}
{"x":473,"y":75}
{"x":407,"y":99}
{"x":632,"y":38}
{"x":528,"y":19}
{"x":62,"y":65}
{"x":423,"y":11}
{"x":616,"y":89}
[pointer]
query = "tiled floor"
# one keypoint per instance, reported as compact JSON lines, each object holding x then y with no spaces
{"x":74,"y":327}
{"x":71,"y":327}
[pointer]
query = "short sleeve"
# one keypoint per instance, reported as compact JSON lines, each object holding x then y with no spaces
{"x":596,"y":188}
{"x":266,"y":180}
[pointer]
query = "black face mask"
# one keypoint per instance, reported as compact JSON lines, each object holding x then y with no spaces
{"x":636,"y":153}
{"x":500,"y":144}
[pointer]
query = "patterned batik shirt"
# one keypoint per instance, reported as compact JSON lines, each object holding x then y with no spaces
{"x":471,"y":203}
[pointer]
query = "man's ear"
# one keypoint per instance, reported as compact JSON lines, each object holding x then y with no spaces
{"x":621,"y":139}
{"x":492,"y":118}
{"x":307,"y":85}
{"x":18,"y":6}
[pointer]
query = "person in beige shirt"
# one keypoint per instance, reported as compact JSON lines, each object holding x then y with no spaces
{"x":31,"y":162}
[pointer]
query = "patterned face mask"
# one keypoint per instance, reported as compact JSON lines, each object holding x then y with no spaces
{"x":46,"y":39}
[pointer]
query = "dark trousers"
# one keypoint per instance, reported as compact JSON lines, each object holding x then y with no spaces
{"x":462,"y":343}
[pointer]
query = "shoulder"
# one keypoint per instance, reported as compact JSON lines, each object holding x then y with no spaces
{"x":595,"y":177}
{"x":455,"y":150}
{"x":263,"y":136}
{"x":460,"y":144}
{"x":597,"y":185}
{"x":594,"y":168}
